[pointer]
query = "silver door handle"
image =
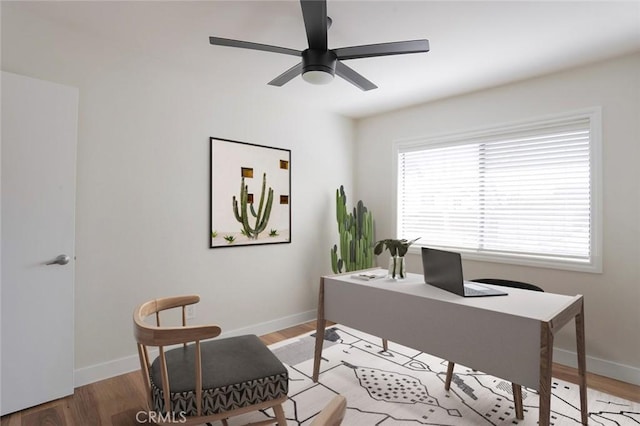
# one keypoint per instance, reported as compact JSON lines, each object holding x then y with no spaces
{"x":63,"y":259}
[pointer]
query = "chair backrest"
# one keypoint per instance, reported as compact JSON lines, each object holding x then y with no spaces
{"x":333,"y":413}
{"x":148,"y":335}
{"x":508,"y":283}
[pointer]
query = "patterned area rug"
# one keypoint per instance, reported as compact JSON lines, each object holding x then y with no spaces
{"x":406,"y":387}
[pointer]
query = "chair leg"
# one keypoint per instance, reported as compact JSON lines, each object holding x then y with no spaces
{"x":447,"y":380}
{"x":224,"y":422}
{"x":517,"y":400}
{"x":280,"y":417}
{"x":385,"y":345}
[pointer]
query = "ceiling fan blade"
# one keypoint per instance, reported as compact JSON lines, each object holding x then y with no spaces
{"x":287,"y":76}
{"x":314,"y":13}
{"x":382,"y":49}
{"x":254,"y":46}
{"x":353,"y":77}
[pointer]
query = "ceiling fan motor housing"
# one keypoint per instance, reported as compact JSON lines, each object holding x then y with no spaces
{"x":319,"y":60}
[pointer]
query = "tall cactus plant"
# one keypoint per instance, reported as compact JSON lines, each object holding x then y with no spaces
{"x":241,"y":210}
{"x":356,"y":236}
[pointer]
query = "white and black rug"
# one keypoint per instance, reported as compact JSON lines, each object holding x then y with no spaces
{"x":406,"y":387}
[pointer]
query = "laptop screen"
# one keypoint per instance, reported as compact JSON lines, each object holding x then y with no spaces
{"x":443,"y":269}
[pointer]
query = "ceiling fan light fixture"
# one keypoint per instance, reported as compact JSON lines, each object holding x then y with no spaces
{"x":317,"y":77}
{"x":318,"y":67}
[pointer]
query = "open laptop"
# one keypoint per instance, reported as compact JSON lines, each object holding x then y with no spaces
{"x":443,"y":269}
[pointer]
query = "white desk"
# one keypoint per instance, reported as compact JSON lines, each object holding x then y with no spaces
{"x":507,"y":336}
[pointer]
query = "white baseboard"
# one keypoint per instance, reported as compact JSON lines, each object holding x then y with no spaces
{"x":93,"y":373}
{"x":622,"y":372}
{"x":274,"y":325}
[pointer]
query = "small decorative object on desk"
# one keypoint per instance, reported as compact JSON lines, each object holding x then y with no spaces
{"x":369,"y":275}
{"x":397,"y":249}
{"x":397,"y":268}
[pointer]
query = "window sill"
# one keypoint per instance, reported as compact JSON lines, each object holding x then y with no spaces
{"x":594,"y":267}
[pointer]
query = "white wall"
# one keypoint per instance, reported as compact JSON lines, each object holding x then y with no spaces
{"x":142,"y":225}
{"x":143,"y":191}
{"x":611,"y":298}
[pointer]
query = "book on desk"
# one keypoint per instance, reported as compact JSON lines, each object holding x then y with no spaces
{"x":371,"y":275}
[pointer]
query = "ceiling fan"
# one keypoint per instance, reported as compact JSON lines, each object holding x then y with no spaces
{"x":319,"y":63}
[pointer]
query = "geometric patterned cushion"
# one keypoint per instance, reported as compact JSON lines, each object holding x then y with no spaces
{"x":236,"y":372}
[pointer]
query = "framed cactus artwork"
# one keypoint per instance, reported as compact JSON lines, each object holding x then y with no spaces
{"x":250,"y":194}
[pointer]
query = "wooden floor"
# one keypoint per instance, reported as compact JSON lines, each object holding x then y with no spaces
{"x":116,"y":401}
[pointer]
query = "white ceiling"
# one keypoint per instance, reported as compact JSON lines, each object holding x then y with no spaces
{"x":474,"y":44}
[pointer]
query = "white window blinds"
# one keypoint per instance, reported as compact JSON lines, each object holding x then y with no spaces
{"x":520,"y":193}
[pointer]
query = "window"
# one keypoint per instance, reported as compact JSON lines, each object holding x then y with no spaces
{"x":525,"y":193}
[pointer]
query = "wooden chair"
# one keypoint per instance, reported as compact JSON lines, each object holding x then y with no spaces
{"x":333,"y":413}
{"x":515,"y":388}
{"x":204,"y":381}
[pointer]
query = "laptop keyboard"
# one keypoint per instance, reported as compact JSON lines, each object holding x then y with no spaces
{"x":472,"y":292}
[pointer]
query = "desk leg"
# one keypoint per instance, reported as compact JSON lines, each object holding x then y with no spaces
{"x":517,"y":400}
{"x":321,"y":323}
{"x":546,"y":360}
{"x":582,"y":364}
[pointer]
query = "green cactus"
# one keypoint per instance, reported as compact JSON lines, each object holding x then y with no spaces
{"x":356,"y":236}
{"x":241,"y":210}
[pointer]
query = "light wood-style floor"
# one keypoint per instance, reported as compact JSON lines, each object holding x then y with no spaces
{"x":116,"y":401}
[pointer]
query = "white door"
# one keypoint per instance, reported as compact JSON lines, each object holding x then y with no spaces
{"x":39,"y":136}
